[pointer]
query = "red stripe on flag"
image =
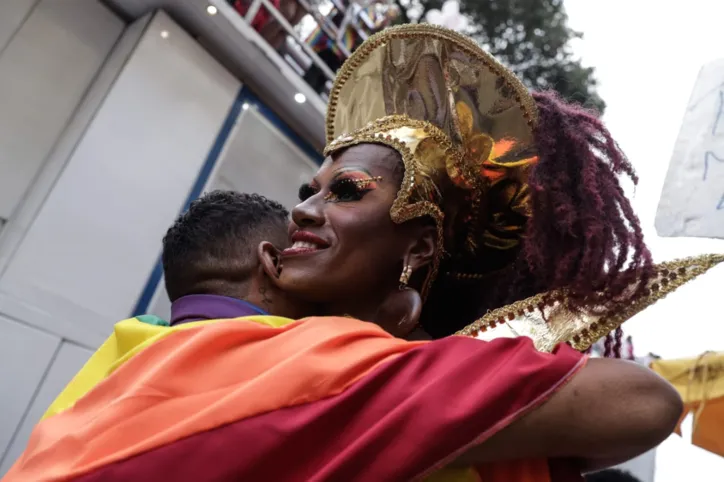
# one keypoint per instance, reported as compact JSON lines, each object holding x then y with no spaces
{"x":401,"y":421}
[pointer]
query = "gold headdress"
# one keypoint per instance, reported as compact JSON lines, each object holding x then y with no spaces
{"x":462,"y":123}
{"x":464,"y":127}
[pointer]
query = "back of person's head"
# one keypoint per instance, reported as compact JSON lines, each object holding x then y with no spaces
{"x":611,"y":475}
{"x":212,"y":247}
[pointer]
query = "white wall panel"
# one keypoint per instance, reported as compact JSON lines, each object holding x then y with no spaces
{"x":25,"y":354}
{"x":258,"y":143}
{"x":70,"y":358}
{"x":22,"y":218}
{"x":88,"y":253}
{"x":12,"y":16}
{"x":45,"y":70}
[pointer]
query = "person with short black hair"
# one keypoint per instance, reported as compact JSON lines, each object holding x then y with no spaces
{"x":210,"y":259}
{"x":210,"y":246}
{"x":611,"y":475}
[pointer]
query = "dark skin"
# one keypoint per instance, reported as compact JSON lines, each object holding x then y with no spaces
{"x":248,"y":280}
{"x":347,"y":206}
{"x":260,"y":291}
{"x":358,"y":271}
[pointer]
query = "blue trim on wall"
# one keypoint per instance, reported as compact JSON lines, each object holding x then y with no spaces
{"x":244,"y":96}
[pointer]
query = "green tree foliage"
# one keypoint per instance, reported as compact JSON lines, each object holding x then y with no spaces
{"x":531,"y":37}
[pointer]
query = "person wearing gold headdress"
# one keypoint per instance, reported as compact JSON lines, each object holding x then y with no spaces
{"x":449,"y":191}
{"x":489,"y":199}
{"x":501,"y":207}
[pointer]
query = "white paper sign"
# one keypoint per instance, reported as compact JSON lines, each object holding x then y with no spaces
{"x":692,"y":202}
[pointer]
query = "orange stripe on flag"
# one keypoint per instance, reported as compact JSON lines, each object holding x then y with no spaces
{"x":196,"y":379}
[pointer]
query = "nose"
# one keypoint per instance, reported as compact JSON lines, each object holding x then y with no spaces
{"x":308,"y":213}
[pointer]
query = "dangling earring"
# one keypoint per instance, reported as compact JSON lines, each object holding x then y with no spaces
{"x":405,"y":276}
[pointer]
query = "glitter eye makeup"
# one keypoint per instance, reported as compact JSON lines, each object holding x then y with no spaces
{"x":351,"y":185}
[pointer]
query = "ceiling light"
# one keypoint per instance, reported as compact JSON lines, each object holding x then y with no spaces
{"x":164,"y":33}
{"x":211,"y":10}
{"x":244,"y":106}
{"x":300,"y":98}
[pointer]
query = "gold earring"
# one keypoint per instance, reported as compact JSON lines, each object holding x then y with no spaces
{"x":405,"y":276}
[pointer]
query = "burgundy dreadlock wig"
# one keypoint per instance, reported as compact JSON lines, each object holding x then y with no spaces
{"x":582,"y":235}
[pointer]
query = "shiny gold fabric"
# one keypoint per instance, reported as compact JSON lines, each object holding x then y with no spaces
{"x":547,"y":321}
{"x":700,"y":382}
{"x":464,"y":127}
{"x":462,"y":123}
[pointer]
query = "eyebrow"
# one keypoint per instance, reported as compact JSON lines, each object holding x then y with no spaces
{"x":351,"y":169}
{"x":315,"y":183}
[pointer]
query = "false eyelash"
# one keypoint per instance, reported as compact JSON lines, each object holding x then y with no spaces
{"x":306,"y":191}
{"x":346,"y":190}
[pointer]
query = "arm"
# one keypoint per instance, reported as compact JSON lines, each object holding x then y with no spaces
{"x":611,"y":411}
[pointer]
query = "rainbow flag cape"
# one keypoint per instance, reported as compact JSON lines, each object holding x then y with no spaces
{"x":270,"y":399}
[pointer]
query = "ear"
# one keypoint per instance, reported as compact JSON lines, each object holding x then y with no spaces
{"x":422,"y":248}
{"x":399,"y":314}
{"x":270,"y":260}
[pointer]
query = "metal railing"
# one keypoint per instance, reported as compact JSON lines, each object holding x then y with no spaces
{"x":335,"y":33}
{"x":329,"y":29}
{"x":254,"y":10}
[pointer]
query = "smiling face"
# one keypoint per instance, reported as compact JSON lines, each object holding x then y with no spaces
{"x":344,"y":243}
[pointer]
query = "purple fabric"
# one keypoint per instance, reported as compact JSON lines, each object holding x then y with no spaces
{"x":210,"y":307}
